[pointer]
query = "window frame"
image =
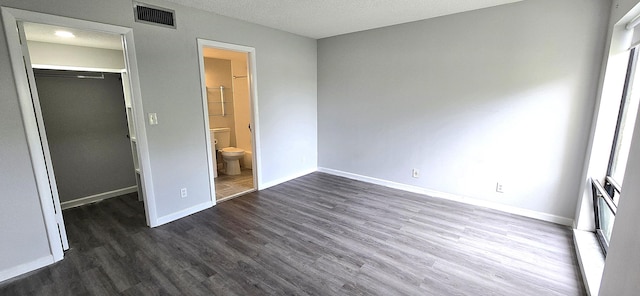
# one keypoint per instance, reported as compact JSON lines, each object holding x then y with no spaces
{"x":610,"y":191}
{"x":599,"y":192}
{"x":626,"y":92}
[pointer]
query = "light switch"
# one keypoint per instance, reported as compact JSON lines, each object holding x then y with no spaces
{"x":153,"y":118}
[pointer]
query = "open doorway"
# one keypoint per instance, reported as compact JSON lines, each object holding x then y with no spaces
{"x":229,"y":99}
{"x":85,"y":120}
{"x":40,"y":63}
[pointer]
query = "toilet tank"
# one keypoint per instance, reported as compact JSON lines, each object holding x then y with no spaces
{"x":223,"y":137}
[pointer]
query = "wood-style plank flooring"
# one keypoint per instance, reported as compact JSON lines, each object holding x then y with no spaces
{"x":316,"y":235}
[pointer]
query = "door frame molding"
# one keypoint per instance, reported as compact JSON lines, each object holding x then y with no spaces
{"x":10,"y":18}
{"x":253,"y":102}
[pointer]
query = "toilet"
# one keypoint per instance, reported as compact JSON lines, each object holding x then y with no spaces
{"x":230,"y":155}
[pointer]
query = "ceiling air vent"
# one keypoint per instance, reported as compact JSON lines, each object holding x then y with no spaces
{"x":154,"y":15}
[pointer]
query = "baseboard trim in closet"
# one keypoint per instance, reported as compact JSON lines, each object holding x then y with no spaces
{"x":97,"y":197}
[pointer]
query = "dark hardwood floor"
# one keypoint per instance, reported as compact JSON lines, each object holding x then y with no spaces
{"x":316,"y":235}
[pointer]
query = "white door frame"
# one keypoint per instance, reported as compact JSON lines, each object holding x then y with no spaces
{"x":48,"y":204}
{"x":253,"y":97}
{"x":53,"y":185}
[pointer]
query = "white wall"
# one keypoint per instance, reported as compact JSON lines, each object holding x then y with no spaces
{"x":24,"y":237}
{"x":499,"y":94}
{"x":43,"y":53}
{"x":170,"y":85}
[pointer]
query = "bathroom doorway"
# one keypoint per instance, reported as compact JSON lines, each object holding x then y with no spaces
{"x":229,"y":98}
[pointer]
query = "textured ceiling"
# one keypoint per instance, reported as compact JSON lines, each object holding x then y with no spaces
{"x":325,"y":18}
{"x":45,"y":33}
{"x":311,"y":18}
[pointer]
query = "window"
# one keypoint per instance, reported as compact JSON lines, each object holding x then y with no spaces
{"x":607,"y":196}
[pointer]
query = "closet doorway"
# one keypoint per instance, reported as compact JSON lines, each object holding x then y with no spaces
{"x":86,"y":120}
{"x":79,"y":97}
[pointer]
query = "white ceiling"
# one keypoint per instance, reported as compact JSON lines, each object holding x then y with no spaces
{"x":311,"y":18}
{"x":325,"y":18}
{"x":45,"y":33}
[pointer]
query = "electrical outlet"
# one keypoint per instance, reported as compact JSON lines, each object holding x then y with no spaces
{"x":183,"y":192}
{"x":415,"y":173}
{"x":153,"y":118}
{"x":499,"y":187}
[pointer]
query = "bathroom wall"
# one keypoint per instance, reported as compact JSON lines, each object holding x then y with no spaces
{"x":217,"y":73}
{"x":241,"y":103}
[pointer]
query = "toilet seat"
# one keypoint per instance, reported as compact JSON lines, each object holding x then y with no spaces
{"x":231,"y":152}
{"x":231,"y":149}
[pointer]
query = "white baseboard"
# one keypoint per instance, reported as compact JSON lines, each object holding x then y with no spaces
{"x":266,"y":185}
{"x":26,"y":267}
{"x":181,"y":214}
{"x":97,"y":197}
{"x":463,"y":199}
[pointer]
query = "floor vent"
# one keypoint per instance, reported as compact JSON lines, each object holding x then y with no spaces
{"x":154,"y":15}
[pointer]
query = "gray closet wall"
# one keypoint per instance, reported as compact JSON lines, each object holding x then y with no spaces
{"x":86,"y":127}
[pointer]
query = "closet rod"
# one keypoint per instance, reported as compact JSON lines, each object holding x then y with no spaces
{"x":70,"y":76}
